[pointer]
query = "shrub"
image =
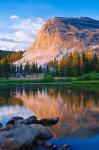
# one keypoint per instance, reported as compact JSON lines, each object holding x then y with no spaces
{"x":48,"y":78}
{"x":90,"y":76}
{"x":64,"y":79}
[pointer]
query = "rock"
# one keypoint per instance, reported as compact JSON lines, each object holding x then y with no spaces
{"x":44,"y":133}
{"x":26,"y":147}
{"x":65,"y":147}
{"x":48,"y":145}
{"x":49,"y":121}
{"x":30,"y":120}
{"x":60,"y":34}
{"x":23,"y":136}
{"x":3,"y":136}
{"x":17,"y":118}
{"x":18,"y":136}
{"x":39,"y":142}
{"x":14,"y":120}
{"x":1,"y":125}
{"x":10,"y":123}
{"x":15,"y":144}
{"x":54,"y":147}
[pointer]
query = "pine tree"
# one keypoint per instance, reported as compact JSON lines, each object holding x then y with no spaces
{"x":95,"y":62}
{"x":5,"y":68}
{"x":83,"y":63}
{"x":27,"y":69}
{"x":69,"y":64}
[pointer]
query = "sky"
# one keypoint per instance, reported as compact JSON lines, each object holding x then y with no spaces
{"x":20,"y":20}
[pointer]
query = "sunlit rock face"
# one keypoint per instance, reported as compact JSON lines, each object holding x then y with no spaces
{"x":60,"y":35}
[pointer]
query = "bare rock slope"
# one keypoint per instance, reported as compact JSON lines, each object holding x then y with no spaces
{"x":60,"y":35}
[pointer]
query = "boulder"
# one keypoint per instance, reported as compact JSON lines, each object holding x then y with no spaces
{"x":43,"y":133}
{"x":49,"y":121}
{"x":51,"y":146}
{"x":30,"y":120}
{"x":17,"y":118}
{"x":14,"y":120}
{"x":1,"y":125}
{"x":22,"y":136}
{"x":16,"y":144}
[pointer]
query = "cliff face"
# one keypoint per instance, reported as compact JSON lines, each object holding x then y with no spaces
{"x":60,"y":35}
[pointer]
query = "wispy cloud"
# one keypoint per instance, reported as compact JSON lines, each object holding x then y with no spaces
{"x":5,"y":39}
{"x":14,"y":17}
{"x":29,"y":24}
{"x":22,"y":33}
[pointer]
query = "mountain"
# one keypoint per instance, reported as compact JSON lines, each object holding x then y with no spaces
{"x":60,"y":35}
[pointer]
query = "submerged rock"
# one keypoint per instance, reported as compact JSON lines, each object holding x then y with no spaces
{"x":14,"y":120}
{"x":43,"y":133}
{"x":49,"y":121}
{"x":1,"y":125}
{"x":30,"y":120}
{"x":51,"y":146}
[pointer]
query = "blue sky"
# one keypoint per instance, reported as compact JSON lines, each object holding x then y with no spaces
{"x":20,"y":20}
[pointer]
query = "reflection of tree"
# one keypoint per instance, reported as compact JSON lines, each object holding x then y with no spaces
{"x":72,"y":98}
{"x":10,"y":101}
{"x":76,"y":101}
{"x":71,"y":105}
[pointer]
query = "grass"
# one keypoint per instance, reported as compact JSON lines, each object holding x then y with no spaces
{"x":86,"y":81}
{"x":89,"y":76}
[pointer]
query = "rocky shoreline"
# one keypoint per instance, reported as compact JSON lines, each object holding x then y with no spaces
{"x":28,"y":134}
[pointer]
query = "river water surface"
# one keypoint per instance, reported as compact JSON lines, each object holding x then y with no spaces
{"x":78,"y":110}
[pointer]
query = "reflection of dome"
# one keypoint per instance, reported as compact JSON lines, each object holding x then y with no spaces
{"x":42,"y":104}
{"x":70,"y":105}
{"x":78,"y":110}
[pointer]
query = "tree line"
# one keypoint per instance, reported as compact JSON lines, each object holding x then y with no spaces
{"x":7,"y":68}
{"x":74,"y":64}
{"x":29,"y":69}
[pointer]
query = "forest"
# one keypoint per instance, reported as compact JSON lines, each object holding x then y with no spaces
{"x":73,"y":64}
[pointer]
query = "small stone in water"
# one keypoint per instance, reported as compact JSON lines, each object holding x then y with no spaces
{"x":1,"y":125}
{"x":30,"y":120}
{"x":54,"y":147}
{"x":49,"y":145}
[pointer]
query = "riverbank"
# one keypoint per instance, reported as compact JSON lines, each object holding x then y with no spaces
{"x":89,"y":84}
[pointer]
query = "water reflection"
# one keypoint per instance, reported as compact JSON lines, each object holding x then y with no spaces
{"x":78,"y":109}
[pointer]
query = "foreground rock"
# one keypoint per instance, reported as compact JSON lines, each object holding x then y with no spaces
{"x":30,"y":120}
{"x":28,"y":134}
{"x":1,"y":125}
{"x":22,"y":134}
{"x":49,"y":121}
{"x":14,"y":120}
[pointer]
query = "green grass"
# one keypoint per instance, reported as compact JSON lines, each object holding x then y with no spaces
{"x":85,"y":85}
{"x":89,"y":76}
{"x":85,"y":81}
